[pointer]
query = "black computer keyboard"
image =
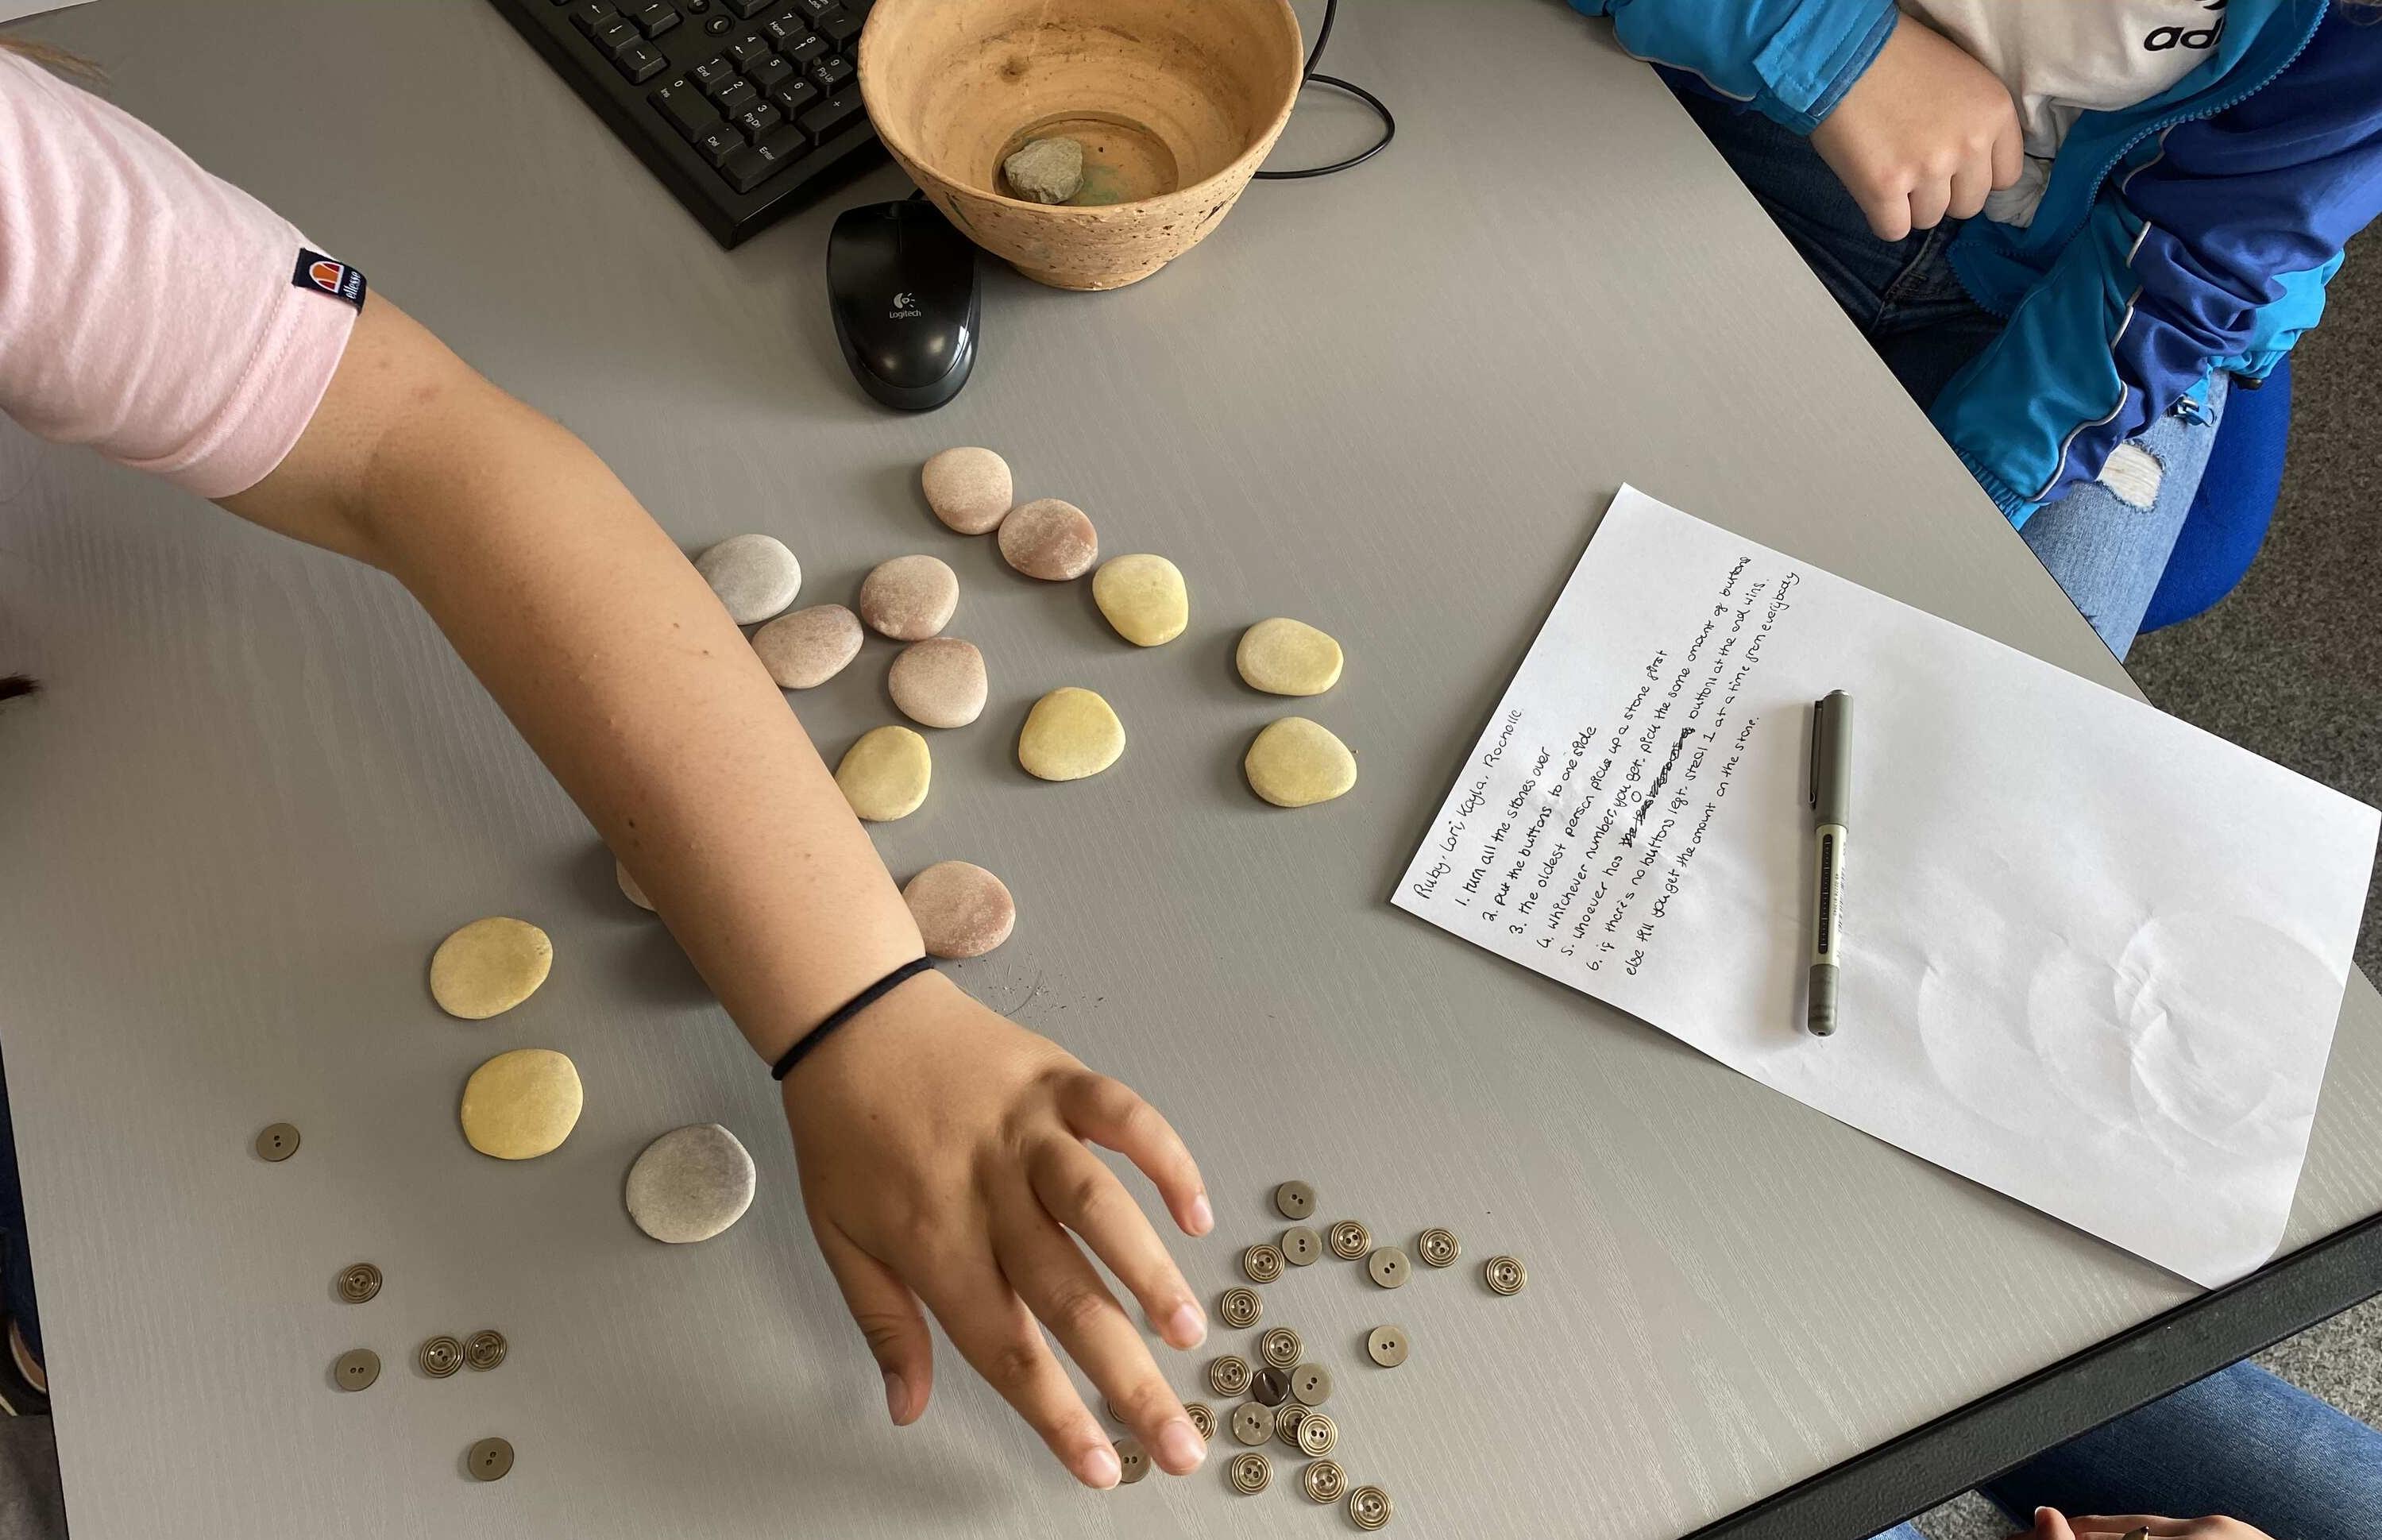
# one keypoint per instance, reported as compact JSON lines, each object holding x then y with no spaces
{"x":745,"y":109}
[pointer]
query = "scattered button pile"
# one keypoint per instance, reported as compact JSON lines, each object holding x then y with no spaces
{"x":1287,"y":1390}
{"x":438,"y":1358}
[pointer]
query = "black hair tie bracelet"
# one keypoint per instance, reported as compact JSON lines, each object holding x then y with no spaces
{"x":849,"y":1009}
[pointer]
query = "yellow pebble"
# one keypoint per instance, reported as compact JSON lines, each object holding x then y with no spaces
{"x":488,"y":967}
{"x":1296,"y":762}
{"x":884,"y":775}
{"x":1287,"y":657}
{"x":1144,"y":598}
{"x":1070,"y":733}
{"x":519,"y":1105}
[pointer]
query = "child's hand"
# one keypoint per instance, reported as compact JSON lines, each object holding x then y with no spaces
{"x":942,"y":1152}
{"x":2050,"y":1524}
{"x":1925,"y":132}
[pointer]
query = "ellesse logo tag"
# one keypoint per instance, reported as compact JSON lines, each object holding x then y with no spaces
{"x":319,"y":272}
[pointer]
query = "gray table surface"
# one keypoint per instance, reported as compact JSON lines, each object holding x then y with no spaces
{"x":1392,"y":402}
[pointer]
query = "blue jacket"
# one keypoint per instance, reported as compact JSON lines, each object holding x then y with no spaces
{"x":2190,"y":234}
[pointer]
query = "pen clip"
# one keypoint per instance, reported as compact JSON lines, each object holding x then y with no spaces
{"x":1819,"y":715}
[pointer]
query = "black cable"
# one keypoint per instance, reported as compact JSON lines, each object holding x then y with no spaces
{"x":1315,"y":56}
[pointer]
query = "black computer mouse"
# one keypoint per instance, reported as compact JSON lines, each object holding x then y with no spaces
{"x":901,"y":283}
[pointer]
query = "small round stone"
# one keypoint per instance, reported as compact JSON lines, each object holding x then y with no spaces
{"x":939,"y":682}
{"x":488,"y":967}
{"x":628,"y":889}
{"x":689,"y":1184}
{"x":908,"y":598}
{"x":1070,"y":733}
{"x":519,"y":1105}
{"x":809,"y":647}
{"x":1144,"y":598}
{"x":1046,"y":170}
{"x":1296,"y":762}
{"x":884,"y":775}
{"x":968,"y":488}
{"x":963,"y":910}
{"x":754,"y":576}
{"x":1050,"y":539}
{"x":1287,"y":657}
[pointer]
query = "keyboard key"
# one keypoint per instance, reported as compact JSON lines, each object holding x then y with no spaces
{"x":785,"y":29}
{"x":641,"y":62}
{"x":656,"y":18}
{"x":614,"y":38}
{"x":837,"y":113}
{"x":796,"y":97}
{"x":809,"y":51}
{"x":682,"y":102}
{"x":748,"y":50}
{"x":771,"y":73}
{"x":816,"y":8}
{"x":747,"y":168}
{"x":592,"y":16}
{"x":713,"y":76}
{"x":832,"y":72}
{"x":735,"y":99}
{"x":781,"y":144}
{"x":759,"y":120}
{"x":748,"y":9}
{"x":718,"y":141}
{"x":840,"y":28}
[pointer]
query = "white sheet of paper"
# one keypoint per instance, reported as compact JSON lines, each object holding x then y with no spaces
{"x":2093,"y":956}
{"x":16,"y":10}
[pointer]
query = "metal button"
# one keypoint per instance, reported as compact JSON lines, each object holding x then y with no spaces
{"x":1318,"y":1434}
{"x":355,"y":1369}
{"x":1438,"y":1247}
{"x":1287,"y":1418}
{"x":440,"y":1357}
{"x":1262,"y":1262}
{"x":483,"y":1350}
{"x":489,"y":1460}
{"x":1249,"y":1472}
{"x":1132,"y":1462}
{"x":1505,"y":1275}
{"x":1203,"y":1417}
{"x":1269,"y":1386}
{"x":1252,"y":1424}
{"x":1370,"y":1508}
{"x":357,"y":1282}
{"x":1311,"y":1383}
{"x":1279,"y":1347}
{"x":1324,"y":1481}
{"x":1350,"y":1240}
{"x":1389,"y":1267}
{"x":1229,"y":1375}
{"x":1387,"y":1346}
{"x":1300,"y":1245}
{"x":1294,"y":1200}
{"x":279,"y":1141}
{"x":1240,"y":1308}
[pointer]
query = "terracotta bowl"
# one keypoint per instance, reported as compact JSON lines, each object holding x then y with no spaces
{"x":1175,"y":102}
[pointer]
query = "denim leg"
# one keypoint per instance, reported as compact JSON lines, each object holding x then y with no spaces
{"x":2107,"y":542}
{"x":1899,"y":1531}
{"x":2239,"y":1444}
{"x":1902,"y":294}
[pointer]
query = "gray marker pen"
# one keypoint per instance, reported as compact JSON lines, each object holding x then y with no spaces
{"x":1832,"y":792}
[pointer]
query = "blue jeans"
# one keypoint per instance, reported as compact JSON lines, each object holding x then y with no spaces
{"x":2107,"y":542}
{"x":2240,"y":1445}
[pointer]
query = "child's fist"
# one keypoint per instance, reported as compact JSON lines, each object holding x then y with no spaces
{"x":1925,"y":132}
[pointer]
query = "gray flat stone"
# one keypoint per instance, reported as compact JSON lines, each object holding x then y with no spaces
{"x":754,"y":576}
{"x":689,"y":1184}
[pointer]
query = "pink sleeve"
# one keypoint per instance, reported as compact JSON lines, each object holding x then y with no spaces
{"x":146,"y":308}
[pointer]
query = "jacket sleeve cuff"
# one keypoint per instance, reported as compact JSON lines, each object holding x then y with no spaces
{"x":2015,"y":508}
{"x":1810,"y":64}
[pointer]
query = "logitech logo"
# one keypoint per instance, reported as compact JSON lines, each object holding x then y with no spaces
{"x":906,"y":308}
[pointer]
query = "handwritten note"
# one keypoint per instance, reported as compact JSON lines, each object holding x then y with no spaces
{"x":2094,"y":955}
